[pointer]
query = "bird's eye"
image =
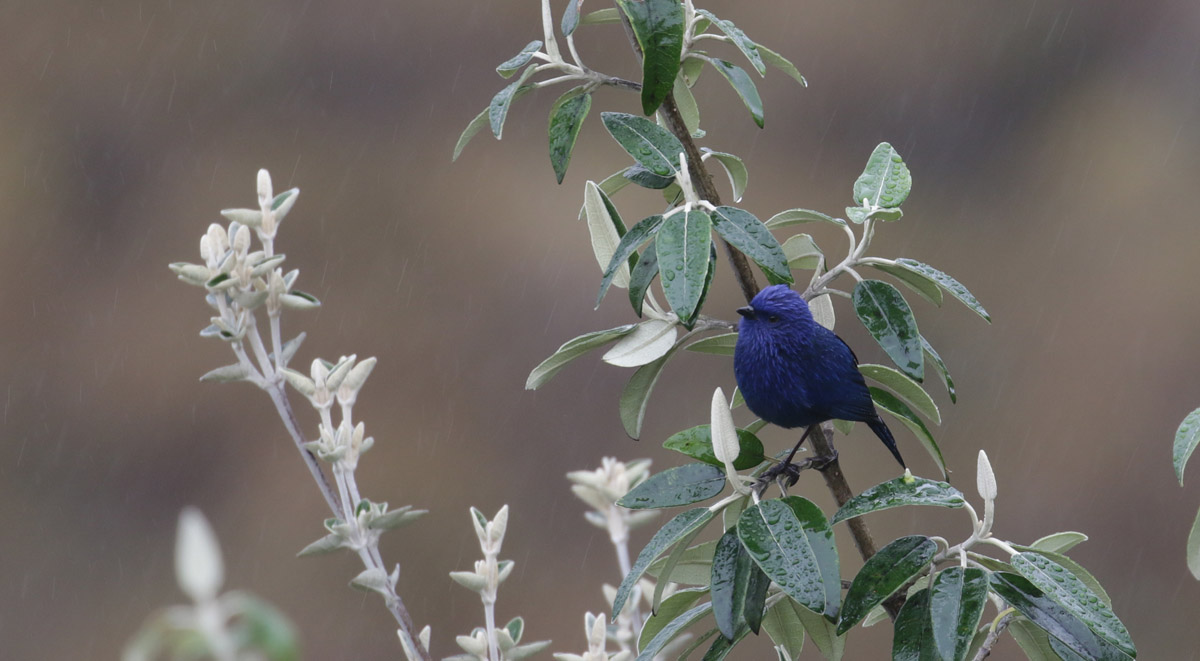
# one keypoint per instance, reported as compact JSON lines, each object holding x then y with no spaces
{"x":773,"y":318}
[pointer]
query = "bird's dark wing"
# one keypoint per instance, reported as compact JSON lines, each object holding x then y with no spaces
{"x":852,"y":354}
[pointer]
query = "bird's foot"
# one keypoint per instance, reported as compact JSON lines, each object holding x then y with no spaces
{"x":820,"y":463}
{"x":786,"y":474}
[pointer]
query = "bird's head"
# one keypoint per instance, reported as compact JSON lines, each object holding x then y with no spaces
{"x":776,"y":307}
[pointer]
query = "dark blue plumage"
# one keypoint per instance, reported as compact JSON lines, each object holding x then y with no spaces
{"x":794,"y":372}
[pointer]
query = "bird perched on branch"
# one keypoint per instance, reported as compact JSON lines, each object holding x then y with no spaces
{"x":794,"y":372}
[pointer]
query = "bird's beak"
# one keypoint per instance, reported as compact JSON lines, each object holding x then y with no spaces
{"x":747,"y":312}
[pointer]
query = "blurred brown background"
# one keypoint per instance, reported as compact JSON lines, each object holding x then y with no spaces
{"x":1055,"y":147}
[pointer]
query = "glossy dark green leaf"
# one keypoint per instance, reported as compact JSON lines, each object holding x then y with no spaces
{"x":671,"y":630}
{"x":1074,"y":567}
{"x":1068,"y":591}
{"x":648,"y":143}
{"x":952,"y":286}
{"x":956,"y":601}
{"x":899,"y":492}
{"x":1053,"y":618}
{"x":672,"y":607}
{"x":570,"y":19}
{"x":1187,"y":437}
{"x":911,"y":639}
{"x":782,"y":623}
{"x":566,"y":118}
{"x":730,"y":576}
{"x":883,"y":311}
{"x":681,"y":485}
{"x":498,"y":108}
{"x":799,"y":216}
{"x":697,"y":444}
{"x":514,"y":64}
{"x":722,"y":646}
{"x":923,"y":285}
{"x":739,"y":176}
{"x":630,"y":242}
{"x":690,"y":322}
{"x":782,"y":63}
{"x":570,"y":351}
{"x":636,"y":394}
{"x":940,"y":367}
{"x":885,"y":182}
{"x":743,"y":85}
{"x":658,"y":28}
{"x":639,"y":175}
{"x":747,"y":233}
{"x":683,"y":248}
{"x":883,"y":574}
{"x":739,"y":39}
{"x":755,"y":604}
{"x":905,"y":388}
{"x":676,"y":529}
{"x":892,"y":405}
{"x":641,"y":276}
{"x":792,"y":543}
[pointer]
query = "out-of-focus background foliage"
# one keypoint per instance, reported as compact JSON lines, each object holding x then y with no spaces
{"x":1055,"y":147}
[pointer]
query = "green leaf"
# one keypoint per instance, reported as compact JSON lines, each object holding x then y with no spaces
{"x":570,"y":19}
{"x":670,"y":609}
{"x":952,"y":286}
{"x":739,"y":39}
{"x":883,"y":574}
{"x":601,"y":17}
{"x":1059,"y":584}
{"x":605,"y":232}
{"x":672,"y":561}
{"x":633,"y":239}
{"x":476,"y":124}
{"x":1059,"y":542}
{"x":844,"y":426}
{"x":681,"y":485}
{"x":1193,"y":548}
{"x":1034,"y":642}
{"x":683,"y":248}
{"x":676,"y":529}
{"x":1052,"y":618}
{"x":860,"y":215}
{"x":782,"y":623}
{"x":515,"y":628}
{"x":257,"y":625}
{"x":940,"y":368}
{"x":891,"y":404}
{"x":689,"y":110}
{"x":566,"y":118}
{"x":739,"y":176}
{"x":730,"y":576}
{"x":693,"y":566}
{"x":722,"y":646}
{"x":956,"y":602}
{"x":1074,"y":567}
{"x":642,"y":275}
{"x":648,"y":143}
{"x":905,"y":388}
{"x":1187,"y":437}
{"x":690,"y":322}
{"x":697,"y":444}
{"x":743,"y":85}
{"x":498,"y":108}
{"x":802,"y":252}
{"x":227,"y":374}
{"x":571,"y":350}
{"x":883,"y":311}
{"x":901,"y":491}
{"x":671,"y":630}
{"x":782,"y":63}
{"x":693,"y":65}
{"x":799,"y":216}
{"x":920,"y":283}
{"x":514,"y":64}
{"x":639,"y":175}
{"x":747,"y":233}
{"x":885,"y":182}
{"x":792,"y":543}
{"x":658,"y":28}
{"x":911,"y":638}
{"x":636,"y":393}
{"x":717,"y":345}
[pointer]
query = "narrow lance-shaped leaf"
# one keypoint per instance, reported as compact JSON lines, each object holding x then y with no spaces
{"x":636,"y":393}
{"x":566,"y":118}
{"x":746,"y":233}
{"x":676,"y":529}
{"x":730,"y":574}
{"x":1056,"y":582}
{"x":739,"y":39}
{"x":952,"y":286}
{"x":658,"y":27}
{"x":689,"y":110}
{"x":923,"y":285}
{"x":633,"y":239}
{"x":670,"y":609}
{"x":601,"y":17}
{"x":570,"y":19}
{"x":679,"y":485}
{"x":648,"y":143}
{"x":782,"y":63}
{"x":1053,"y":618}
{"x":670,"y":631}
{"x":956,"y":601}
{"x":572,"y":350}
{"x":904,"y":490}
{"x":642,"y":275}
{"x":886,"y":181}
{"x":798,"y":216}
{"x":647,"y":343}
{"x":743,"y":85}
{"x":682,"y":245}
{"x":886,"y":315}
{"x":940,"y":367}
{"x":514,"y":64}
{"x":1187,"y":437}
{"x":911,"y":639}
{"x":605,"y":231}
{"x":883,"y":574}
{"x":892,"y":405}
{"x":639,"y":175}
{"x":498,"y":108}
{"x":1193,"y":548}
{"x":739,"y":176}
{"x":905,"y":388}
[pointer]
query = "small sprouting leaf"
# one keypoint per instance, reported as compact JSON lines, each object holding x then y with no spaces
{"x":743,"y":85}
{"x":886,"y":315}
{"x":681,"y":485}
{"x":922,"y":284}
{"x":885,"y":182}
{"x":1053,"y":618}
{"x":1059,"y":584}
{"x":648,"y":143}
{"x":739,"y":39}
{"x":747,"y":233}
{"x":636,"y":393}
{"x":905,"y":388}
{"x":228,"y":374}
{"x":642,"y":275}
{"x":566,"y":118}
{"x":604,"y":232}
{"x":1059,"y":542}
{"x":739,"y":176}
{"x":952,"y":286}
{"x":570,"y":19}
{"x":514,"y":64}
{"x":683,"y":248}
{"x":1193,"y":548}
{"x":572,"y":350}
{"x":652,"y":339}
{"x":498,"y":108}
{"x":892,"y":404}
{"x":633,"y":239}
{"x":792,"y":543}
{"x":940,"y":367}
{"x":802,"y":252}
{"x":371,"y":580}
{"x":639,"y":175}
{"x":903,"y":490}
{"x":956,"y":601}
{"x":697,"y":444}
{"x":199,"y":569}
{"x":670,"y":609}
{"x":883,"y":574}
{"x":1187,"y":437}
{"x":798,"y":216}
{"x":674,"y":530}
{"x":782,"y":63}
{"x":658,"y":27}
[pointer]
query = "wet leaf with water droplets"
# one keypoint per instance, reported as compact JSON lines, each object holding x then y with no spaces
{"x":899,"y":492}
{"x":883,"y":574}
{"x":681,"y":485}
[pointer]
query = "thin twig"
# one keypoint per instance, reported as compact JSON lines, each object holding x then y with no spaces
{"x":994,"y":635}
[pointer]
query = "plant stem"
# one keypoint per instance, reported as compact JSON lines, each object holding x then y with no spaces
{"x":994,"y":635}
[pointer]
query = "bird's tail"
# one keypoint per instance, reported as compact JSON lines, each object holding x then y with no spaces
{"x":881,"y":430}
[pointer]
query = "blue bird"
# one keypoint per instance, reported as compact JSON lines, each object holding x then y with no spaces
{"x":794,"y":372}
